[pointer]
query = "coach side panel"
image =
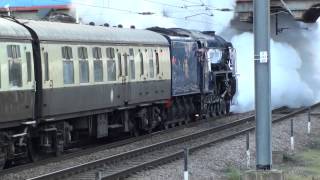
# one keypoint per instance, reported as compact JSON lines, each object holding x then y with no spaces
{"x":16,"y":81}
{"x":83,"y":78}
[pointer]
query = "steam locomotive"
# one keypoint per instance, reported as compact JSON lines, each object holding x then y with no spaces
{"x":63,"y":83}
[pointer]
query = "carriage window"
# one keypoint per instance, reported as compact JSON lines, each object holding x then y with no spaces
{"x":15,"y":70}
{"x":157,"y":63}
{"x":111,"y":65}
{"x":125,"y":64}
{"x":14,"y":51}
{"x":110,"y":53}
{"x":28,"y":58}
{"x":120,"y":64}
{"x":141,"y":64}
{"x":83,"y":65}
{"x":68,"y":70}
{"x":112,"y":70}
{"x":97,"y":63}
{"x":132,"y":65}
{"x":96,"y":51}
{"x":151,"y":65}
{"x":46,"y":66}
{"x":82,"y":53}
{"x":98,"y":71}
{"x":67,"y":53}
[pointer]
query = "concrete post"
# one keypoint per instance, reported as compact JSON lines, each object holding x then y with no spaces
{"x":262,"y":84}
{"x":186,"y":172}
{"x":292,"y":136}
{"x":248,"y":149}
{"x":309,"y":120}
{"x":98,"y":175}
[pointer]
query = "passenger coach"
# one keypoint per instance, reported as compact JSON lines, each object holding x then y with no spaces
{"x":61,"y":83}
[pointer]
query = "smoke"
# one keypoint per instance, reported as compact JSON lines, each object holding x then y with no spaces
{"x":200,"y":15}
{"x":287,"y":86}
{"x":295,"y":66}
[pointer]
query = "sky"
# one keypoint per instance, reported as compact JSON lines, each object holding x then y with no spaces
{"x":28,"y":3}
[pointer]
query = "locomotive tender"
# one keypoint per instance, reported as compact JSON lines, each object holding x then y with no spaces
{"x":62,"y":83}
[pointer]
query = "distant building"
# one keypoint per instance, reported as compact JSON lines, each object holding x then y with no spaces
{"x":302,"y":10}
{"x":53,"y":10}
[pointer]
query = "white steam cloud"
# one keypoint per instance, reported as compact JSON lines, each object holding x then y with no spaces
{"x":189,"y":14}
{"x":295,"y":66}
{"x":295,"y":61}
{"x":287,"y":86}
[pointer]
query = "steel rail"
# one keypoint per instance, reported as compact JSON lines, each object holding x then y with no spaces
{"x":133,"y":153}
{"x":179,"y":154}
{"x":110,"y":145}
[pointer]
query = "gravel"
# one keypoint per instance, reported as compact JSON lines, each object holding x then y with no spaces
{"x":161,"y":152}
{"x":94,"y":156}
{"x":212,"y":162}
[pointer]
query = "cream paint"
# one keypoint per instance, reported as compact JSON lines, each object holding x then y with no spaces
{"x":4,"y":66}
{"x":56,"y":64}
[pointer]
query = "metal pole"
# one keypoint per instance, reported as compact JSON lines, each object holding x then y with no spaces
{"x":277,"y":25}
{"x":292,"y":137}
{"x":186,"y":173}
{"x":98,"y":175}
{"x":248,"y":150}
{"x":309,"y":120}
{"x":262,"y":84}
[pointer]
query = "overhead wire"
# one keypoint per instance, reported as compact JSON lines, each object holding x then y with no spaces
{"x":181,"y":19}
{"x":165,"y":4}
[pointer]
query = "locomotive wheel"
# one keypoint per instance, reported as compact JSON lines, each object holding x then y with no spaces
{"x":135,"y":132}
{"x":217,"y":109}
{"x":228,"y":107}
{"x":2,"y":160}
{"x":222,"y":107}
{"x":212,"y":110}
{"x":134,"y":128}
{"x":33,"y":154}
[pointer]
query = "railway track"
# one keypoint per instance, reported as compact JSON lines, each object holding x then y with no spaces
{"x":91,"y":149}
{"x":123,"y":164}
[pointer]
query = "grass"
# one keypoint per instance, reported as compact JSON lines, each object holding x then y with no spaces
{"x":233,"y":173}
{"x":306,"y":164}
{"x":301,"y":166}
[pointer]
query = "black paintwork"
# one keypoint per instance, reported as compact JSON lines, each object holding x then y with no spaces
{"x":16,"y":105}
{"x":185,"y":67}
